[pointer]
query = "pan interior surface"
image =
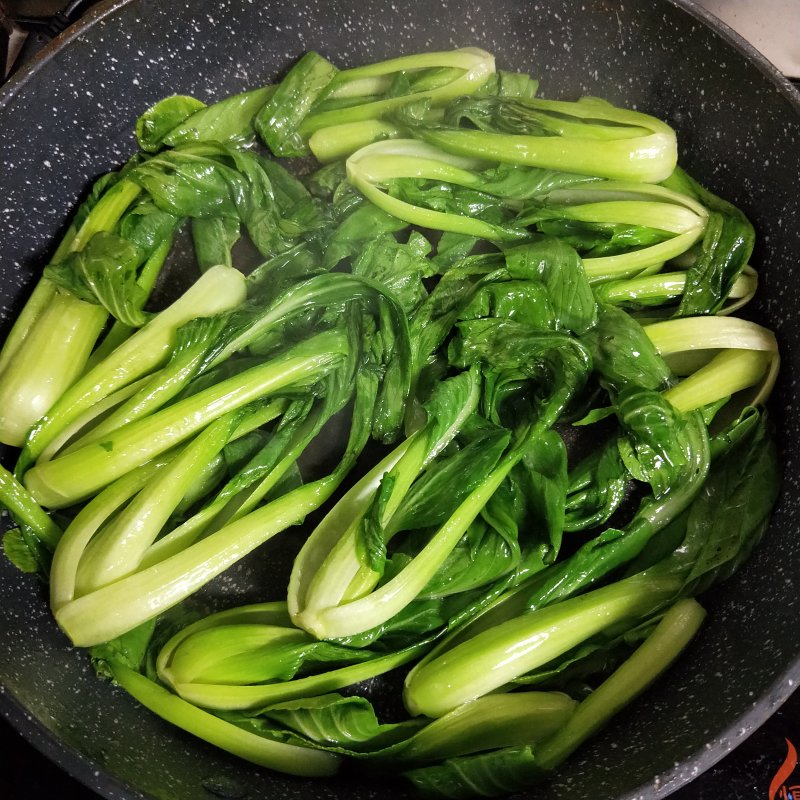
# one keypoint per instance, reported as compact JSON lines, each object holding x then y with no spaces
{"x":71,"y":118}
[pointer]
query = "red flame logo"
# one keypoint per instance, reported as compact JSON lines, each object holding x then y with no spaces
{"x":778,"y":789}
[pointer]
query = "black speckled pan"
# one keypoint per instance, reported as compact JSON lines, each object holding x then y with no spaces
{"x":69,"y":118}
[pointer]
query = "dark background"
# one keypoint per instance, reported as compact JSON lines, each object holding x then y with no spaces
{"x":745,"y":774}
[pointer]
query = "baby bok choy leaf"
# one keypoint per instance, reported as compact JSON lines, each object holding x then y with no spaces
{"x":118,"y":270}
{"x":361,"y":101}
{"x":213,"y":346}
{"x":206,"y":343}
{"x":719,"y":355}
{"x":349,"y":105}
{"x":717,"y":533}
{"x":346,"y":595}
{"x":726,"y":247}
{"x":262,"y":750}
{"x":713,"y":357}
{"x":668,"y":505}
{"x":278,"y":121}
{"x":743,"y":472}
{"x":252,"y":656}
{"x":54,"y":334}
{"x":333,"y":548}
{"x":679,"y":482}
{"x":589,"y":137}
{"x":372,"y":167}
{"x":490,"y":722}
{"x":218,"y":290}
{"x":350,"y":726}
{"x":152,"y":574}
{"x":511,"y":769}
{"x":209,"y":180}
{"x":657,"y":443}
{"x":620,"y":228}
{"x":667,"y":288}
{"x":30,"y":545}
{"x":495,"y":657}
{"x":180,"y":120}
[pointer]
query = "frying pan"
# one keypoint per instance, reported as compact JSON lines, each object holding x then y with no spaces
{"x":69,"y":117}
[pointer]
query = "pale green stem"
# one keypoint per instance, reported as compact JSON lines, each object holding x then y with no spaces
{"x":294,"y":760}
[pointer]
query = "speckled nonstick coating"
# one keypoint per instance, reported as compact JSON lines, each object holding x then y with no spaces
{"x":69,"y":118}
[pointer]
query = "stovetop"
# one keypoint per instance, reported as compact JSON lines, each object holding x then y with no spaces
{"x":746,"y":773}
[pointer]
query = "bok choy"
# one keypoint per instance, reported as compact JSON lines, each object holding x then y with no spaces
{"x":485,"y":358}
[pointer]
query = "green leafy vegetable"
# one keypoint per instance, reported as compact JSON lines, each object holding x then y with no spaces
{"x":510,"y":318}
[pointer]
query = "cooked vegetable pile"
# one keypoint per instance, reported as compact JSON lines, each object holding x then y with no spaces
{"x":487,"y":348}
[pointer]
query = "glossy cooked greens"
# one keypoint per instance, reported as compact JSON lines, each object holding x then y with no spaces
{"x":525,"y":302}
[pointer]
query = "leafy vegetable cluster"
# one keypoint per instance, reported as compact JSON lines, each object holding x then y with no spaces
{"x":525,"y":302}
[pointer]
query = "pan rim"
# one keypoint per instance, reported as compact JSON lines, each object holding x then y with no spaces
{"x":108,"y":7}
{"x":94,"y":776}
{"x":73,"y":762}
